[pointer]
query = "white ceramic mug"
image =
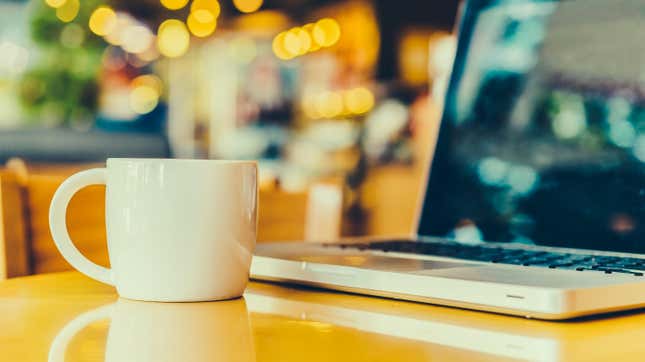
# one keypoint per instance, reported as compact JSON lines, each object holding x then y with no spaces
{"x":177,"y":230}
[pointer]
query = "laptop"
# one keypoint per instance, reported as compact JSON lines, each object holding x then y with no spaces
{"x":535,"y":196}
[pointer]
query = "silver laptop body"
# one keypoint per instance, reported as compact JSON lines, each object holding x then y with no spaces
{"x":541,"y":149}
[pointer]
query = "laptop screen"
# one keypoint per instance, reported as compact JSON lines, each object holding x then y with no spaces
{"x":542,"y":139}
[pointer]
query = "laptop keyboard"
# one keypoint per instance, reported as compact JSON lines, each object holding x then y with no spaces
{"x":495,"y":254}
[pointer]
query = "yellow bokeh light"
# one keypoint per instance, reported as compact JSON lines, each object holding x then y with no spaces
{"x":209,"y":5}
{"x":204,"y":16}
{"x":292,"y":42}
{"x":278,"y":47}
{"x":201,"y":23}
{"x":102,"y":20}
{"x":358,"y":100}
{"x":305,"y":40}
{"x":143,"y":99}
{"x":308,"y":38}
{"x":247,"y":6}
{"x":55,"y":3}
{"x":326,"y":32}
{"x":174,"y":4}
{"x":148,"y":80}
{"x":173,"y":39}
{"x":328,"y":104}
{"x":68,"y":11}
{"x":309,"y":28}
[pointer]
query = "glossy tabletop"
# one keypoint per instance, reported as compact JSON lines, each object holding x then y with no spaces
{"x":68,"y":317}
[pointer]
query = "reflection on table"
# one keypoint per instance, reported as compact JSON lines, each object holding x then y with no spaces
{"x":275,"y":323}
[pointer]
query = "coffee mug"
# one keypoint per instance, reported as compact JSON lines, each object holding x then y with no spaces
{"x":177,"y":230}
{"x":157,"y":332}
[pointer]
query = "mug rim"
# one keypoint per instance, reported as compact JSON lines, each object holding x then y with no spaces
{"x":182,"y":160}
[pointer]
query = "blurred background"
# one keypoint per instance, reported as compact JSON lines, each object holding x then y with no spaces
{"x":340,"y":101}
{"x":339,"y":93}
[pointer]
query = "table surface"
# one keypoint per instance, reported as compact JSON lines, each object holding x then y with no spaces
{"x":67,"y":316}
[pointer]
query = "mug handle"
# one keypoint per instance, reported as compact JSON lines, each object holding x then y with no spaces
{"x":59,"y":345}
{"x":58,"y":226}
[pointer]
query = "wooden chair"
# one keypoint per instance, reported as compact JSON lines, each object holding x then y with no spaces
{"x":26,"y":246}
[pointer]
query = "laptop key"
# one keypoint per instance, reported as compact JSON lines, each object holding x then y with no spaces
{"x":611,"y":270}
{"x":501,"y":255}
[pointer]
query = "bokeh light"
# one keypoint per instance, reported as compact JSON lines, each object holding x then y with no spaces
{"x":72,"y":36}
{"x":201,"y":23}
{"x":113,"y":59}
{"x":326,"y":32}
{"x":622,"y":133}
{"x":329,"y":104}
{"x":298,"y":41}
{"x":143,"y":99}
{"x":279,"y":48}
{"x":247,"y":6}
{"x":122,"y":22}
{"x":148,"y":80}
{"x":305,"y":41}
{"x":174,"y":4}
{"x":173,"y":39}
{"x":639,"y":148}
{"x":102,"y":20}
{"x":292,"y":42}
{"x":569,"y":119}
{"x":55,"y":3}
{"x":68,"y":10}
{"x":209,"y":5}
{"x":358,"y":100}
{"x":309,"y":28}
{"x":522,"y":179}
{"x":492,"y":171}
{"x":136,"y":38}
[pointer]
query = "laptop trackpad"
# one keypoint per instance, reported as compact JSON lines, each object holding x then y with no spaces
{"x":376,"y":262}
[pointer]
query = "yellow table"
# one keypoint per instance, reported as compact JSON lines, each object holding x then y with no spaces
{"x":67,"y":316}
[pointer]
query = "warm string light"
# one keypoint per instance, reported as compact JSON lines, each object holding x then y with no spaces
{"x":173,"y":39}
{"x":121,"y":29}
{"x":331,"y":104}
{"x":173,"y":35}
{"x":308,"y":38}
{"x":202,"y":19}
{"x":102,"y":20}
{"x":174,"y":4}
{"x":145,"y":93}
{"x":247,"y":6}
{"x":68,"y":10}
